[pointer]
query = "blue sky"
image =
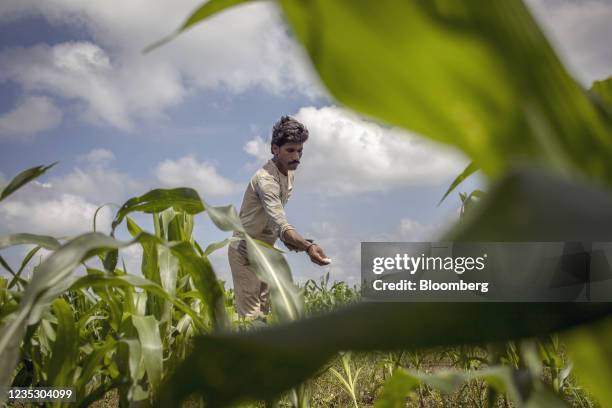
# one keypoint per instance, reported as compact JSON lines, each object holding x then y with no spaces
{"x":75,"y":88}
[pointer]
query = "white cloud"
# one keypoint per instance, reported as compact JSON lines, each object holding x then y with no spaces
{"x":244,"y":48}
{"x":98,"y":184}
{"x":65,"y":204}
{"x":105,"y":91}
{"x":580,"y":31}
{"x":97,"y":157}
{"x":188,"y":172}
{"x":66,"y":214}
{"x":348,"y":154}
{"x":31,"y":115}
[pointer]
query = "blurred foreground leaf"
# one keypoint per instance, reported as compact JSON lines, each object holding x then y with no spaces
{"x":479,"y":75}
{"x":603,"y":90}
{"x":590,"y":349}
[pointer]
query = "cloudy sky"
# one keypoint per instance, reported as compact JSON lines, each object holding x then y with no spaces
{"x":75,"y":88}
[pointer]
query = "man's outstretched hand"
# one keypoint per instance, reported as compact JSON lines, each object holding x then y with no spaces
{"x":291,"y":247}
{"x":317,"y":255}
{"x":295,"y":242}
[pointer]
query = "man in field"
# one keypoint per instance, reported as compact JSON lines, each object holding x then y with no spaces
{"x":263,"y":217}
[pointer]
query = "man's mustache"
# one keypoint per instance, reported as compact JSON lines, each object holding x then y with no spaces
{"x":295,"y":162}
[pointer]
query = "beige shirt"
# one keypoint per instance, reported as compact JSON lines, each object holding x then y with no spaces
{"x":262,"y":212}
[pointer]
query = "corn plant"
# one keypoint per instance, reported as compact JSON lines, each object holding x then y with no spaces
{"x":348,"y":379}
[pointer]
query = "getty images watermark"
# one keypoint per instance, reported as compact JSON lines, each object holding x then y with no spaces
{"x":486,"y":271}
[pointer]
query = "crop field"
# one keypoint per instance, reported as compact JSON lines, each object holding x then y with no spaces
{"x":478,"y":75}
{"x":115,"y":335}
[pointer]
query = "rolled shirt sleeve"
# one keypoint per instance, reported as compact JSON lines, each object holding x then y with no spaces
{"x":269,"y":193}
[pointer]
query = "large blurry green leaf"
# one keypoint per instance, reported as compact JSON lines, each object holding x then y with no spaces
{"x":480,"y":75}
{"x":266,"y":362}
{"x":22,"y":179}
{"x":590,"y":349}
{"x":183,"y":199}
{"x":603,"y":90}
{"x":151,"y":347}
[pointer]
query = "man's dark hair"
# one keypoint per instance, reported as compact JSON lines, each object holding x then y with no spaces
{"x":288,"y":130}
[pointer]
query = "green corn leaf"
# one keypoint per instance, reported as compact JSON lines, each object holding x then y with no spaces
{"x":183,"y":199}
{"x":23,"y":178}
{"x":24,"y":262}
{"x":270,"y":266}
{"x":480,"y":76}
{"x":218,"y":245}
{"x":168,"y":272}
{"x":129,"y":357}
{"x":91,"y":366}
{"x":44,"y":241}
{"x":207,"y":9}
{"x":149,"y":268}
{"x":8,"y":268}
{"x":467,"y":172}
{"x":225,"y":218}
{"x":151,"y":347}
{"x":205,"y":280}
{"x":64,"y":350}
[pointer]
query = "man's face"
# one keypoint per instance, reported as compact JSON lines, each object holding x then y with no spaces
{"x":288,"y":155}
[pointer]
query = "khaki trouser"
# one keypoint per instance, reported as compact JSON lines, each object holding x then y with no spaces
{"x":252,"y":295}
